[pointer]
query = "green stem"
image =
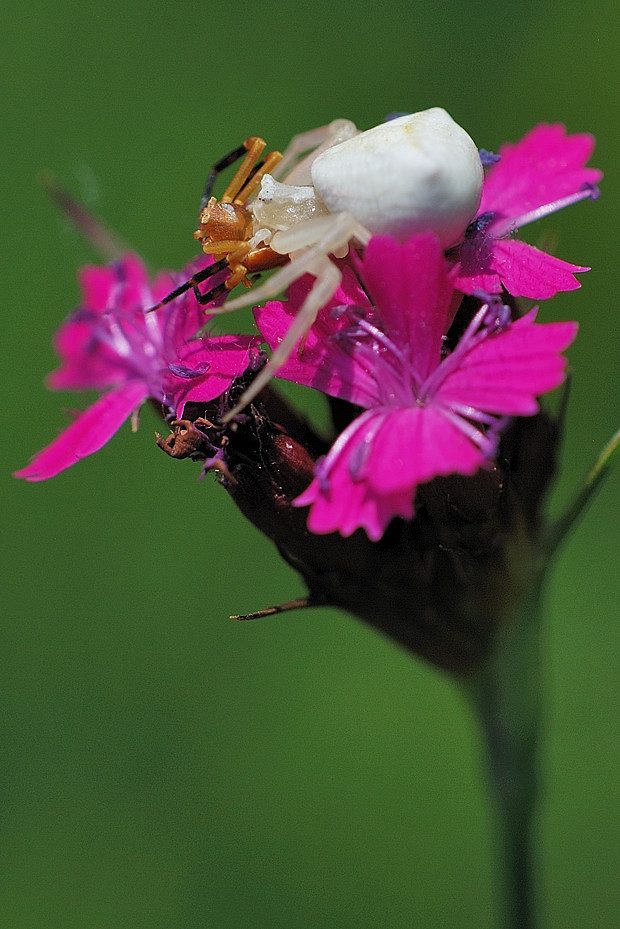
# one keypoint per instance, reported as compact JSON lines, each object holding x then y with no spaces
{"x":506,"y":697}
{"x":558,"y":530}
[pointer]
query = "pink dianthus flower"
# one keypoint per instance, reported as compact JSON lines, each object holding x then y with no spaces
{"x":425,"y":414}
{"x":111,"y":344}
{"x":542,"y":173}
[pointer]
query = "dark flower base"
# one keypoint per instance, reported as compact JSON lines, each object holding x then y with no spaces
{"x":440,"y":584}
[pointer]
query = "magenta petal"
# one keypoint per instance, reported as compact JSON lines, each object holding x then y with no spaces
{"x":350,"y":507}
{"x":372,"y":473}
{"x":483,"y":280}
{"x":355,"y":509}
{"x":122,"y":284}
{"x":544,"y":166}
{"x":417,"y":444}
{"x":522,"y":269}
{"x":86,"y":363}
{"x":527,"y":272}
{"x":96,"y":341}
{"x":112,"y":340}
{"x":87,"y":434}
{"x":216,"y":363}
{"x":411,"y":287}
{"x":506,"y":372}
{"x":225,"y":356}
{"x":543,"y":172}
{"x":342,"y":503}
{"x":324,"y":362}
{"x":97,"y":285}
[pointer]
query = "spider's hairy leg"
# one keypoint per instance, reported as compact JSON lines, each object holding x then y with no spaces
{"x":269,"y":288}
{"x":330,"y":233}
{"x":217,"y":169}
{"x":254,"y":146}
{"x":314,"y":141}
{"x":337,"y":229}
{"x":305,"y":242}
{"x":255,"y":178}
{"x":192,"y":283}
{"x":328,"y":278}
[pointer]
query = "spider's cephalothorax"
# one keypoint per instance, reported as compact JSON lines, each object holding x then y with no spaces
{"x":226,"y":226}
{"x":409,"y":175}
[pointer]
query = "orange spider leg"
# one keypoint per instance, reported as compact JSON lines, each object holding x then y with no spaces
{"x":264,"y":258}
{"x":270,"y":162}
{"x":226,"y":225}
{"x":230,"y":217}
{"x":248,"y":260}
{"x":255,"y":147}
{"x":222,"y":247}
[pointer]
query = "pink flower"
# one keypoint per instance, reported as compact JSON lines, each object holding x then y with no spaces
{"x":538,"y":175}
{"x":110,"y":343}
{"x":424,"y":415}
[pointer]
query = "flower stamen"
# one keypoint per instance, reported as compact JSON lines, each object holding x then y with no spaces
{"x":509,"y":226}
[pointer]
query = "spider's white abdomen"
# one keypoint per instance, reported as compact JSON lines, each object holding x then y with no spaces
{"x":408,"y":175}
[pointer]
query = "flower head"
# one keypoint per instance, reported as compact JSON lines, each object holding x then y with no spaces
{"x":111,"y":344}
{"x":425,"y":414}
{"x":542,"y":173}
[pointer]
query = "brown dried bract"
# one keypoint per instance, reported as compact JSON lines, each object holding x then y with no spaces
{"x":185,"y":440}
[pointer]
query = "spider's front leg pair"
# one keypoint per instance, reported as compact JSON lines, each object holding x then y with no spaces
{"x":308,"y":246}
{"x":416,"y":173}
{"x":226,"y":226}
{"x":260,"y":223}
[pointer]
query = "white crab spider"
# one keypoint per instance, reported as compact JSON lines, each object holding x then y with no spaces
{"x":411,"y":174}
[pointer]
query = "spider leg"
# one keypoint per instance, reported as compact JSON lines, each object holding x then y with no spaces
{"x":328,"y":278}
{"x":254,"y":147}
{"x":331,"y":234}
{"x":200,"y":276}
{"x":279,"y":281}
{"x":314,"y":141}
{"x":307,"y":241}
{"x":256,"y":176}
{"x":217,"y":169}
{"x":247,"y":177}
{"x":337,"y":230}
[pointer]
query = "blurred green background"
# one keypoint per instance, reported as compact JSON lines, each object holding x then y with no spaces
{"x":160,"y":766}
